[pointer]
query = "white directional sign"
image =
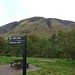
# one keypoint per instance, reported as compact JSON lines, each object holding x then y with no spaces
{"x":14,"y":42}
{"x":16,"y":38}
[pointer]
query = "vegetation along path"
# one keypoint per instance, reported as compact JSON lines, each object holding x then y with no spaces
{"x":8,"y":70}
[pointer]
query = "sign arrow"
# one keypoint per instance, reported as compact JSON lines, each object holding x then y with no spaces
{"x":16,"y":38}
{"x":14,"y":42}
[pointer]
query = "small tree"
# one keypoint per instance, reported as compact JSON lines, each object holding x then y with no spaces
{"x":66,"y":41}
{"x":2,"y":44}
{"x":52,"y":46}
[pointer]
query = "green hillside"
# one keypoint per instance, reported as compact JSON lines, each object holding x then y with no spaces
{"x":37,"y":26}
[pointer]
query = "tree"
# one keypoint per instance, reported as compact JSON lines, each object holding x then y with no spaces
{"x":32,"y":45}
{"x":53,"y":44}
{"x":2,"y":44}
{"x":66,"y":41}
{"x":13,"y":50}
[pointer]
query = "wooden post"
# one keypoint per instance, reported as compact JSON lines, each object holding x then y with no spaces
{"x":24,"y":55}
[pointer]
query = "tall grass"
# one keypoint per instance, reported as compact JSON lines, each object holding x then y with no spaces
{"x":6,"y":60}
{"x":60,"y":67}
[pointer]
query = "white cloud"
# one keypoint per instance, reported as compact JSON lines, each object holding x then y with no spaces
{"x":13,"y":10}
{"x":63,"y":9}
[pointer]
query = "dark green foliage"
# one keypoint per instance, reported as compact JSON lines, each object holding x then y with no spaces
{"x":66,"y":41}
{"x":14,"y":50}
{"x":53,"y":45}
{"x":2,"y":45}
{"x":60,"y":45}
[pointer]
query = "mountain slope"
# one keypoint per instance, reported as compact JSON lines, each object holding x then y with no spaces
{"x":37,"y":26}
{"x":8,"y":27}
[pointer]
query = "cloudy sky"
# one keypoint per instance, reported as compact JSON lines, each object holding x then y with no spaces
{"x":15,"y":10}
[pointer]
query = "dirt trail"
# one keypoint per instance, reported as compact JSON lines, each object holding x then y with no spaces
{"x":8,"y":70}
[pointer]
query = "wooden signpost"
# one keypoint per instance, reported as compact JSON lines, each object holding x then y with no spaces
{"x":20,"y":40}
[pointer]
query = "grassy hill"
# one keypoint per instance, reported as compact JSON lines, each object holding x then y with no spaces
{"x":37,"y":26}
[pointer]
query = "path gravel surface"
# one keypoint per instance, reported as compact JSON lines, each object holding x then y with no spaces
{"x":8,"y":70}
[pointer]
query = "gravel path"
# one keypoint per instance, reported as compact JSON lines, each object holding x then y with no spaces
{"x":8,"y":70}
